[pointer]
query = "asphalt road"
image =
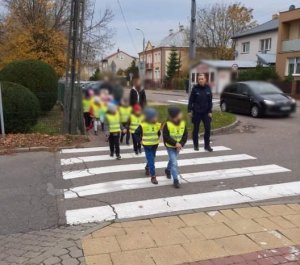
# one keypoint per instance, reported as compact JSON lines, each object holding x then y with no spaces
{"x":27,"y":196}
{"x":31,"y":184}
{"x":103,"y":187}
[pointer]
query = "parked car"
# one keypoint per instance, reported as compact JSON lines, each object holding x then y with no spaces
{"x":257,"y":99}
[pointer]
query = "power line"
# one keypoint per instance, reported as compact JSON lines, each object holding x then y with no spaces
{"x":126,"y":24}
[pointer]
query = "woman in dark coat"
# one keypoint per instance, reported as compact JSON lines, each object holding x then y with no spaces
{"x":137,"y":95}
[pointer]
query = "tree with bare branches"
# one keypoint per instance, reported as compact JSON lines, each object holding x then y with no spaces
{"x":217,"y":23}
{"x":38,"y":29}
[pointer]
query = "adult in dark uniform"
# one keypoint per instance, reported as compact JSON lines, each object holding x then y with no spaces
{"x":200,"y":108}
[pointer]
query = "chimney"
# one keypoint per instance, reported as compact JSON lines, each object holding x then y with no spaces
{"x":292,"y":7}
{"x":171,"y":31}
{"x":181,"y":28}
{"x":275,"y":16}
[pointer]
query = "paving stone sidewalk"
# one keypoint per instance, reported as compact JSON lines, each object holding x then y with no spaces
{"x":51,"y":246}
{"x":200,"y":238}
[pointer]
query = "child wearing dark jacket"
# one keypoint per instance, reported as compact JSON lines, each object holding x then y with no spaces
{"x":175,"y":135}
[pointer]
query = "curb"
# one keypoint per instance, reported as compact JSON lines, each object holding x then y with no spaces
{"x":56,"y":149}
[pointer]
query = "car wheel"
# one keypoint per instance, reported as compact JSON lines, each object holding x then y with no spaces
{"x":224,"y":107}
{"x":255,"y":111}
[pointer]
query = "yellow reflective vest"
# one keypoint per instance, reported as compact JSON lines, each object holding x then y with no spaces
{"x":96,"y":110}
{"x":86,"y":105}
{"x":176,"y":131}
{"x":150,"y":133}
{"x":114,"y":123}
{"x":125,"y":113}
{"x":135,"y":122}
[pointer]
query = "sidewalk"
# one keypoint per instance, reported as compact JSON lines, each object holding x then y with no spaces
{"x":253,"y":235}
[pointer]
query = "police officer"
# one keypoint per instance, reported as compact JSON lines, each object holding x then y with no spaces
{"x":200,"y":107}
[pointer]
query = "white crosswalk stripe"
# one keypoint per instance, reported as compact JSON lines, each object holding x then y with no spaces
{"x":210,"y":169}
{"x":104,"y":148}
{"x":140,"y":183}
{"x":141,"y":166}
{"x":185,"y":101}
{"x":182,"y":203}
{"x":78,"y":160}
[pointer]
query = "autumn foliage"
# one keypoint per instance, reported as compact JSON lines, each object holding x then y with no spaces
{"x":32,"y":34}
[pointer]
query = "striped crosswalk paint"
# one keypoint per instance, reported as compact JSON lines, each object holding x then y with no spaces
{"x":185,"y":101}
{"x":140,"y":166}
{"x":86,"y":159}
{"x":140,"y":183}
{"x":103,"y":149}
{"x":182,"y":203}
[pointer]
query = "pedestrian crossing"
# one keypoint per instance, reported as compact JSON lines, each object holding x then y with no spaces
{"x":185,"y":101}
{"x":100,"y":188}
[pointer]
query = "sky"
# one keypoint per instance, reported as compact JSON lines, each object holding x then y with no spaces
{"x":157,"y":17}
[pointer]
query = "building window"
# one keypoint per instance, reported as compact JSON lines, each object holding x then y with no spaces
{"x":293,"y":67}
{"x":265,"y":45}
{"x":246,"y":47}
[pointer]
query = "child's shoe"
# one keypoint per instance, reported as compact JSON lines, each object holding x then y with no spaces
{"x":119,"y":157}
{"x":140,"y":150}
{"x":111,"y":155}
{"x":137,"y":153}
{"x":168,"y":174}
{"x":176,"y":184}
{"x":154,"y":180}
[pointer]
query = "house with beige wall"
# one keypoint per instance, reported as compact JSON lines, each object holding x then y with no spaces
{"x":119,"y":60}
{"x":157,"y":56}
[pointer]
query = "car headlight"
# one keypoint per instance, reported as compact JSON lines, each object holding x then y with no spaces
{"x":269,"y":102}
{"x":292,"y":100}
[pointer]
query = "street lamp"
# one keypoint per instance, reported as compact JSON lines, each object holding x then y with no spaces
{"x":143,"y":65}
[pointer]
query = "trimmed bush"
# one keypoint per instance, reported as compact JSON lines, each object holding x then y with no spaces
{"x":259,"y":73}
{"x":36,"y":75}
{"x":20,"y":107}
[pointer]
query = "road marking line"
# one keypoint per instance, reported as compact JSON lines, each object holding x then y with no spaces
{"x":161,"y":164}
{"x":185,"y":101}
{"x":86,"y":159}
{"x":182,"y":203}
{"x":141,"y":183}
{"x":105,"y":148}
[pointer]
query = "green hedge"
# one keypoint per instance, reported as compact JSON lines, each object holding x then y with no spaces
{"x":259,"y":73}
{"x":20,"y":107}
{"x":38,"y":76}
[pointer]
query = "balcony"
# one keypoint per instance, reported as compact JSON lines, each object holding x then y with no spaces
{"x":291,"y":45}
{"x":149,"y":66}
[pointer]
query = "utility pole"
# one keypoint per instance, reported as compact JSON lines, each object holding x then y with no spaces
{"x":192,"y":52}
{"x":2,"y":127}
{"x":73,"y":118}
{"x":142,"y":66}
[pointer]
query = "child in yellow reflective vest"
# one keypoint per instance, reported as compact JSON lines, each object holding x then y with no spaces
{"x":125,"y":112}
{"x":135,"y":121}
{"x":113,"y":129}
{"x":148,"y":133}
{"x":95,"y":113}
{"x":175,"y":136}
{"x":86,"y":106}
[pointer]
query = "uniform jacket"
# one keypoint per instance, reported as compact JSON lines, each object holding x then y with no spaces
{"x":200,"y":101}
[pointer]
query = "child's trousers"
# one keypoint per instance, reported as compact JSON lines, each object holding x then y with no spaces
{"x":136,"y":143}
{"x":127,"y":135}
{"x":150,"y":152}
{"x":114,"y":143}
{"x":173,"y":165}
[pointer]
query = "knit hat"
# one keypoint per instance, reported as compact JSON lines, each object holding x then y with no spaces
{"x":137,"y":108}
{"x":111,"y":107}
{"x":150,"y":113}
{"x":173,"y":112}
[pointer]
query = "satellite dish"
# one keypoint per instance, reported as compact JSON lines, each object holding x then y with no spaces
{"x":292,"y":7}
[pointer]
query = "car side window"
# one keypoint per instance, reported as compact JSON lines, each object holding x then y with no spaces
{"x":243,"y":89}
{"x":232,"y":89}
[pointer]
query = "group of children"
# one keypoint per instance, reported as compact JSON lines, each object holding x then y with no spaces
{"x":121,"y":122}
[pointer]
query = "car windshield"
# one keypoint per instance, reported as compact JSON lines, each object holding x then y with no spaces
{"x":265,"y":88}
